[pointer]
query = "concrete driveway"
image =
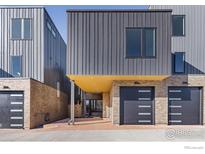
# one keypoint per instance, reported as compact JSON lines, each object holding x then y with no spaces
{"x":95,"y":129}
{"x":177,"y":134}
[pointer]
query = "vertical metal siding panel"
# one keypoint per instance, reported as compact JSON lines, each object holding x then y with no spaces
{"x":100,"y":44}
{"x":92,"y":47}
{"x":84,"y":32}
{"x":126,"y":24}
{"x":79,"y":44}
{"x":121,"y":43}
{"x":109,"y":66}
{"x":118,"y":36}
{"x":113,"y":46}
{"x":96,"y":49}
{"x":88,"y":43}
{"x":105,"y":43}
{"x":131,"y":61}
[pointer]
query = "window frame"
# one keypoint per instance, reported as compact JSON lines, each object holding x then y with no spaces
{"x":11,"y":65}
{"x":22,"y":29}
{"x":174,"y":72}
{"x":12,"y":19}
{"x":184,"y":16}
{"x":142,"y":43}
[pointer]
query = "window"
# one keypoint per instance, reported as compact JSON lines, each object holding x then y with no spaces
{"x":27,"y":29}
{"x":140,"y":42}
{"x":149,"y":42}
{"x":21,"y":28}
{"x":51,"y":29}
{"x":178,"y":25}
{"x":179,"y":62}
{"x":16,"y":28}
{"x":16,"y":66}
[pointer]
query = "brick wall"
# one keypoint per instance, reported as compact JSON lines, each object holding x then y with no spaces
{"x":44,"y":102}
{"x":161,"y":94}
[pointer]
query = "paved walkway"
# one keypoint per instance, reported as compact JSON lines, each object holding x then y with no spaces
{"x":103,"y":130}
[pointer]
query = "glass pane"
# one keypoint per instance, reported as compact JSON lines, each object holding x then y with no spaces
{"x":179,"y":62}
{"x":16,"y":28}
{"x":27,"y":28}
{"x":16,"y":66}
{"x":149,"y":42}
{"x":177,"y":25}
{"x":133,"y":42}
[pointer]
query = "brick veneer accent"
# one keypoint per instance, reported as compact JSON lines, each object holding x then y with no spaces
{"x":161,"y":94}
{"x":38,"y":100}
{"x":106,"y":105}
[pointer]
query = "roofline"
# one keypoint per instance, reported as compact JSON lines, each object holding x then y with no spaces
{"x":119,"y":10}
{"x":21,"y":7}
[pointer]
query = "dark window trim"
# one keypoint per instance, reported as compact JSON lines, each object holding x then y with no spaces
{"x":178,"y":73}
{"x":142,"y":55}
{"x":184,"y":25}
{"x":22,"y":33}
{"x":11,"y":65}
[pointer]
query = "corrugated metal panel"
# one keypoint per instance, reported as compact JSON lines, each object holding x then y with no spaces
{"x":96,"y":43}
{"x":193,"y":42}
{"x":54,"y":56}
{"x":31,"y":50}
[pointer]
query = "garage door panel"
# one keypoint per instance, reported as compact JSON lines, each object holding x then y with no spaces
{"x":11,"y":109}
{"x":137,"y":105}
{"x":185,"y":101}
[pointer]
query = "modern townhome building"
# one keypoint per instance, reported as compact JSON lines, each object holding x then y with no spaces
{"x":146,"y":66}
{"x":33,"y":85}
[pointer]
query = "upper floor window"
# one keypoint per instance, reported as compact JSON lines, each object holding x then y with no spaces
{"x":51,"y":29}
{"x":140,"y":42}
{"x":21,"y":28}
{"x":178,"y":25}
{"x":16,"y":66}
{"x":179,"y":62}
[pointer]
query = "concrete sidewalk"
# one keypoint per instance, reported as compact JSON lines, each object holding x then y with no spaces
{"x":104,"y":135}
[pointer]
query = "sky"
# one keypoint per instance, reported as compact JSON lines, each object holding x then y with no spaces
{"x":58,"y":13}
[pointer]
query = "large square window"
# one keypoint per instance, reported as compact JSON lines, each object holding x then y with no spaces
{"x":140,"y":42}
{"x":178,"y":25}
{"x":21,"y":28}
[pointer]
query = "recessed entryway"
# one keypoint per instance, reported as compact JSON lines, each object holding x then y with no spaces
{"x":185,"y":106}
{"x":137,"y":105}
{"x":11,"y":109}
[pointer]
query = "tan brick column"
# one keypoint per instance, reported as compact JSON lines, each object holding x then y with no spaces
{"x":106,"y":105}
{"x":161,"y":105}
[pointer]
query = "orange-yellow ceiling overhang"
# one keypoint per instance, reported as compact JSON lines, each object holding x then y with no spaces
{"x":103,"y":83}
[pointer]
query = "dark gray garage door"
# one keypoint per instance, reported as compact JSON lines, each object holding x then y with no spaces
{"x":11,"y":109}
{"x":137,"y":105}
{"x":184,"y":106}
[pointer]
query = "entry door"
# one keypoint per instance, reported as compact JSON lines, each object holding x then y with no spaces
{"x":11,"y":109}
{"x":184,"y":106}
{"x":137,"y":105}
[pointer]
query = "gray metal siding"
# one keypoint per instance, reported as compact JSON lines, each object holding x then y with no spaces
{"x":96,"y":43}
{"x":54,"y":56}
{"x":31,"y":50}
{"x":193,"y":43}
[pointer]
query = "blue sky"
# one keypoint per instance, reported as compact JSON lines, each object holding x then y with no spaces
{"x":58,"y":13}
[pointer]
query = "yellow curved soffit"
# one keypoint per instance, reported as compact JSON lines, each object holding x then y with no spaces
{"x":103,"y":83}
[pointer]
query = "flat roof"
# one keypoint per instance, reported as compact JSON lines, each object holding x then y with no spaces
{"x":119,"y":10}
{"x":20,"y":6}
